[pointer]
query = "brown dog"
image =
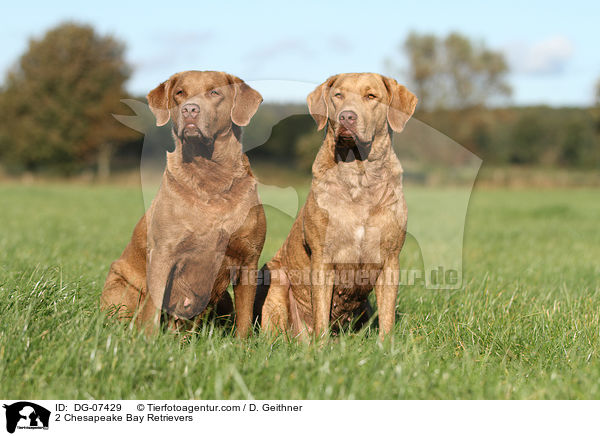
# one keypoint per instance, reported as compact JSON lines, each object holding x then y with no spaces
{"x":206,"y":221}
{"x":348,"y":236}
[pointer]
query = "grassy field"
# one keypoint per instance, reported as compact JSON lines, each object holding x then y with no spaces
{"x":525,"y":325}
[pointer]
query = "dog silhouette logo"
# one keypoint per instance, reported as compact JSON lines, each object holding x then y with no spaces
{"x":26,"y":415}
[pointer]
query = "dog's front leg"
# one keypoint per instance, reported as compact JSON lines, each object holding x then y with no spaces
{"x":321,"y":276}
{"x":157,"y":270}
{"x":386,"y":290}
{"x":244,"y":291}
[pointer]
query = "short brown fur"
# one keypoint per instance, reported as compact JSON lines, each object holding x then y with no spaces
{"x":206,"y":219}
{"x":354,"y":218}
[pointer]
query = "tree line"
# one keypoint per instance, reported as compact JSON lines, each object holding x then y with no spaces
{"x":57,"y":100}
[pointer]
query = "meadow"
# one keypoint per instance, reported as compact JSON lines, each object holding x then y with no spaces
{"x":524,"y":325}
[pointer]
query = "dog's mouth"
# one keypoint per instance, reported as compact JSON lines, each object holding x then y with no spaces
{"x":350,"y":138}
{"x":195,"y":143}
{"x":191,"y":130}
{"x":349,"y":147}
{"x":187,"y":129}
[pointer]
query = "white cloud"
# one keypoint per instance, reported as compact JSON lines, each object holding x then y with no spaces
{"x":168,"y":49}
{"x":294,"y":49}
{"x":548,"y":57}
{"x":290,"y":46}
{"x":340,"y":44}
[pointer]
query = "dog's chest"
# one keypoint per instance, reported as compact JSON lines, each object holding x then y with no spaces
{"x":351,"y":238}
{"x":358,"y":220}
{"x":203,"y":219}
{"x":225,"y":213}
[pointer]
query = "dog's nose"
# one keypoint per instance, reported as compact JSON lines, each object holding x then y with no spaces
{"x":187,"y":303}
{"x":190,"y":110}
{"x":348,"y":118}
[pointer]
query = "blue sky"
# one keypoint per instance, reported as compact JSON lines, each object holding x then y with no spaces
{"x":552,"y":47}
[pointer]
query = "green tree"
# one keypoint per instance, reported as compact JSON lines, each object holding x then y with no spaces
{"x":453,"y":72}
{"x":58,"y":99}
{"x":527,"y":140}
{"x":422,"y":52}
{"x":578,"y":145}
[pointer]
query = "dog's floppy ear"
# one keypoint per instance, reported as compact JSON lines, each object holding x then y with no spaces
{"x":245,"y":102}
{"x":402,"y":104}
{"x":158,"y":100}
{"x":317,"y":105}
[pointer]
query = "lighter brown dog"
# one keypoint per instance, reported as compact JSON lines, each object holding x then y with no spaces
{"x":206,"y":221}
{"x":354,"y":219}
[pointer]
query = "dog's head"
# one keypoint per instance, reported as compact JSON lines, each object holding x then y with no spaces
{"x":360,"y":107}
{"x":203,"y":104}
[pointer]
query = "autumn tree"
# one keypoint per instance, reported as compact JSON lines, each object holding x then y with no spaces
{"x":58,"y":99}
{"x":422,"y":52}
{"x":453,"y":72}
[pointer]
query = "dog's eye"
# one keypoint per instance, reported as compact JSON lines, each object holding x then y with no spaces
{"x":180,"y":92}
{"x":214,"y":93}
{"x":371,"y":96}
{"x":338,"y":95}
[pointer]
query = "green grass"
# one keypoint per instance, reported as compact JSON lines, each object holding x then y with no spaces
{"x":525,"y":325}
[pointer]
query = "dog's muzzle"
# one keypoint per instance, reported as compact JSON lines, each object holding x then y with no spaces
{"x":189,"y":116}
